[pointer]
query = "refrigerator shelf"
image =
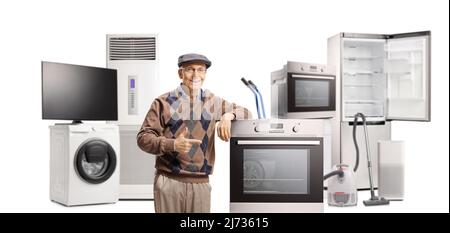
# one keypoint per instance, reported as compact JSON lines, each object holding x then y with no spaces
{"x":405,"y":99}
{"x":359,"y":85}
{"x":368,"y":117}
{"x":370,"y":58}
{"x":356,"y":73}
{"x":363,"y":101}
{"x":403,"y":61}
{"x":370,"y":108}
{"x":401,"y":75}
{"x":418,"y":50}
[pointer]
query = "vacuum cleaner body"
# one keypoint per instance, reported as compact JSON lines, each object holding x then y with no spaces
{"x":342,"y":189}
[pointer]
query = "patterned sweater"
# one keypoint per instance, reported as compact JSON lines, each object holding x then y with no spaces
{"x":168,"y":117}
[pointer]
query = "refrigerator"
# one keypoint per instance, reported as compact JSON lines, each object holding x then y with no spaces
{"x":385,"y":77}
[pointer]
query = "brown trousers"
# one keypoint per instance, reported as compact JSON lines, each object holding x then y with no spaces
{"x":172,"y":196}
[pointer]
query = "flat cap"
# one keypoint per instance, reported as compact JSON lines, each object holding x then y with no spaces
{"x":191,"y":57}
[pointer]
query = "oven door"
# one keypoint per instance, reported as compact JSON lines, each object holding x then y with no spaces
{"x":276,"y":169}
{"x":310,"y":93}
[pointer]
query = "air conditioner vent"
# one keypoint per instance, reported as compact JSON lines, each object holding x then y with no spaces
{"x":132,"y":48}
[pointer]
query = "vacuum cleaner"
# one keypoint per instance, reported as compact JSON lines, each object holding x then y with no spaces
{"x":342,"y":190}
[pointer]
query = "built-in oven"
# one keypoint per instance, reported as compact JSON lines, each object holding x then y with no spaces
{"x":276,"y":166}
{"x":303,"y":90}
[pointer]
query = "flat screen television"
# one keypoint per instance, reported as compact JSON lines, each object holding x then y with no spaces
{"x":75,"y":92}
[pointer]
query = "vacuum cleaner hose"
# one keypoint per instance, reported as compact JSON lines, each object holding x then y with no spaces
{"x":333,"y":173}
{"x":355,"y":123}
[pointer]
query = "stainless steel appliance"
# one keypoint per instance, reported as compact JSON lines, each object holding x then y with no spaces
{"x":303,"y":90}
{"x":276,"y":165}
{"x":385,"y":77}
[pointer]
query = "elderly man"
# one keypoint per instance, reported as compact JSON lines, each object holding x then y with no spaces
{"x":179,"y":129}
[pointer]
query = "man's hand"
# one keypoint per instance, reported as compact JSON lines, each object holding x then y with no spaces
{"x":224,"y":126}
{"x":183,"y":145}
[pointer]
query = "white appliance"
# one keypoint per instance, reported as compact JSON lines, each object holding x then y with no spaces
{"x":385,"y":77}
{"x":342,"y":189}
{"x":137,"y":168}
{"x":136,"y":59}
{"x":84,"y":164}
{"x":391,"y":169}
{"x":276,"y":165}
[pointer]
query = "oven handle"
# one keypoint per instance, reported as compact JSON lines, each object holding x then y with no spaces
{"x":274,"y":142}
{"x":312,"y":76}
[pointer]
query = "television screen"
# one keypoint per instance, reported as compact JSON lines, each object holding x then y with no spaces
{"x":74,"y":92}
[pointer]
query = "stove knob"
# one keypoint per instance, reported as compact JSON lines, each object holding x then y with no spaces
{"x":296,"y":129}
{"x":257,"y":129}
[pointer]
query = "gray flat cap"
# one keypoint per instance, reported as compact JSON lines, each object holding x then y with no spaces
{"x":190,"y":57}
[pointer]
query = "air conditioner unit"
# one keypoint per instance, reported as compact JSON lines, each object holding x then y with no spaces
{"x":135,"y":57}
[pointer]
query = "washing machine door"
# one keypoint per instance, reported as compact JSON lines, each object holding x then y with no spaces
{"x":95,"y":161}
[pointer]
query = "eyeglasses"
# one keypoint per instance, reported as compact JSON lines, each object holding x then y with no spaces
{"x":191,"y":70}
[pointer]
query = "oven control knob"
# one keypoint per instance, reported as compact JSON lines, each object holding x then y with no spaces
{"x":258,"y":129}
{"x":296,"y":129}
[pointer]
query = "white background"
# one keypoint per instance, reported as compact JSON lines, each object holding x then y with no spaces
{"x":243,"y":39}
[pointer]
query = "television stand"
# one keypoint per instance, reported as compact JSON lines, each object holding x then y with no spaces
{"x":74,"y":122}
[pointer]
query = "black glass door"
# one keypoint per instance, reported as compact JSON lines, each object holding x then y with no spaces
{"x":276,"y":170}
{"x":95,"y":161}
{"x":308,"y":93}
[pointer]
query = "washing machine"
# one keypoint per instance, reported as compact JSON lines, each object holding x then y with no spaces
{"x":84,"y":164}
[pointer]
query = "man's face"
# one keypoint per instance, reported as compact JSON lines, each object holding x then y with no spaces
{"x":193,"y":75}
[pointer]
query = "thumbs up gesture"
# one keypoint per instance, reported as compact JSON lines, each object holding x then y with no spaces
{"x":182,"y":144}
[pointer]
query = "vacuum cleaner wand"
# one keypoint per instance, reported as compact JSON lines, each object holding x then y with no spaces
{"x":374,"y":200}
{"x":257,"y":94}
{"x":260,"y":98}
